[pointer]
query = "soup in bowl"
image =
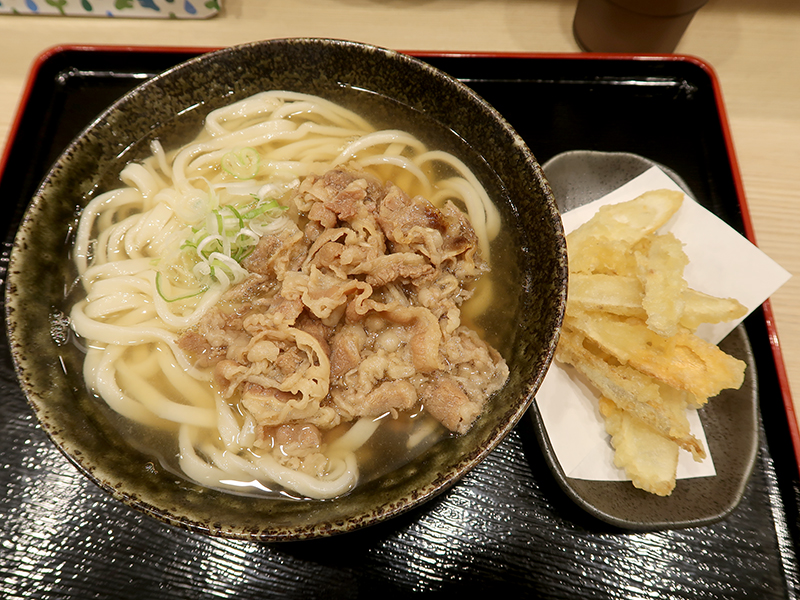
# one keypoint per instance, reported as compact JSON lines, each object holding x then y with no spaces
{"x":307,"y":285}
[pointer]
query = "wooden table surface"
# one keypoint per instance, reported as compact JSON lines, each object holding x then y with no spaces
{"x":753,"y":45}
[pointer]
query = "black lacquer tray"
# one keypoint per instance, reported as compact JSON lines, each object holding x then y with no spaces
{"x":506,"y":527}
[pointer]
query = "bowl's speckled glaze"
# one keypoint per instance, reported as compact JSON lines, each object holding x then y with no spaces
{"x":392,"y":88}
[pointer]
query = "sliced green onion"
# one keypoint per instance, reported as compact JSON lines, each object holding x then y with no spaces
{"x":215,"y":249}
{"x":237,"y":215}
{"x":242,"y":163}
{"x":161,"y":293}
{"x":243,"y":252}
{"x":260,"y":210}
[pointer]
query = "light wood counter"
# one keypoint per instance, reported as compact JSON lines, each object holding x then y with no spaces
{"x":754,"y":46}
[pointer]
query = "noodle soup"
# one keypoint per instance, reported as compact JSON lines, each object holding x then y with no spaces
{"x":294,"y":302}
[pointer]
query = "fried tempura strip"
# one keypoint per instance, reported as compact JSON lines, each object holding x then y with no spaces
{"x":648,"y":458}
{"x":623,"y":295}
{"x":616,"y":294}
{"x":631,"y":390}
{"x":683,"y":361}
{"x":627,"y":222}
{"x":598,"y":255}
{"x":660,"y":271}
{"x":701,"y":308}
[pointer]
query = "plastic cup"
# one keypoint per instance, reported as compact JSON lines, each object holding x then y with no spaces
{"x":633,"y":26}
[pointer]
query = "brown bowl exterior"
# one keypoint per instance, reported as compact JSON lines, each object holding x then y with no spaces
{"x":171,"y":107}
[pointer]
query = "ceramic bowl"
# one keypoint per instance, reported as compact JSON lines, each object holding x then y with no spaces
{"x":396,"y":89}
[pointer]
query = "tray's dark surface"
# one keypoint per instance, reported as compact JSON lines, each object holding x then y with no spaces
{"x":507,"y":526}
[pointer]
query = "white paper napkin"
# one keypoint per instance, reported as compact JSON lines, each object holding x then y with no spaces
{"x":721,"y":262}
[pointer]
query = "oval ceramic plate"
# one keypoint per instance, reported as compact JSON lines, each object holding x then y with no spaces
{"x":730,"y":420}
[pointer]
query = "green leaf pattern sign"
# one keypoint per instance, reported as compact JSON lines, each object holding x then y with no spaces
{"x":158,"y":9}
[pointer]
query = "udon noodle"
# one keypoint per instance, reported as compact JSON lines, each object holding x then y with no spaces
{"x":221,"y":305}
